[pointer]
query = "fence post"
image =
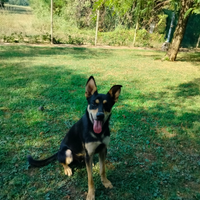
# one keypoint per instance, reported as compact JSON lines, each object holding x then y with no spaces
{"x":135,"y":33}
{"x":97,"y":25}
{"x":51,"y":21}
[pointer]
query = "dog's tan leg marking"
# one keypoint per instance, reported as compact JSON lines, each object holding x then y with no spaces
{"x":91,"y":188}
{"x":90,"y":148}
{"x":68,"y":160}
{"x":67,"y":170}
{"x":104,"y":180}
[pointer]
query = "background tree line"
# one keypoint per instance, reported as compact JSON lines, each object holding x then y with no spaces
{"x":142,"y":16}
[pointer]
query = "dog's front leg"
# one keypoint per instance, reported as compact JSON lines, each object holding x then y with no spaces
{"x":91,"y":188}
{"x":104,"y":180}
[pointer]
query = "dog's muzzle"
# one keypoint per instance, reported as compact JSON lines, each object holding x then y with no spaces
{"x":100,"y":116}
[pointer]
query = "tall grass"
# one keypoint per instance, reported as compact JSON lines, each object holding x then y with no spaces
{"x":17,"y":19}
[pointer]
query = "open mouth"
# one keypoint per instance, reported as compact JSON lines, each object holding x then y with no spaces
{"x":97,"y":125}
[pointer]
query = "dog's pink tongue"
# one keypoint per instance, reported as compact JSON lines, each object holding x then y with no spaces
{"x":97,"y":126}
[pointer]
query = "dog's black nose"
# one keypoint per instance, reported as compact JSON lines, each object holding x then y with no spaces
{"x":100,"y":115}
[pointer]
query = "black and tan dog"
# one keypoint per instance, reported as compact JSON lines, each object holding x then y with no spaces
{"x":88,"y":136}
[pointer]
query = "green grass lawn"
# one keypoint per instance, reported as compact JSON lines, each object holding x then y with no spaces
{"x":154,"y":151}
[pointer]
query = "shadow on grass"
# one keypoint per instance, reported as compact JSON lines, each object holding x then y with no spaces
{"x":189,"y":89}
{"x":194,"y":58}
{"x":189,"y":57}
{"x":75,"y":52}
{"x":157,"y":56}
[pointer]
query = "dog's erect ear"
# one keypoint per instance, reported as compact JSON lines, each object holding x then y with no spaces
{"x":115,"y":91}
{"x":90,"y":87}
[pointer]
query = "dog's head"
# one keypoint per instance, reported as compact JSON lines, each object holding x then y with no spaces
{"x":100,"y":105}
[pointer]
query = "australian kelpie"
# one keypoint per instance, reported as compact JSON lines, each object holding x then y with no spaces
{"x":88,"y":136}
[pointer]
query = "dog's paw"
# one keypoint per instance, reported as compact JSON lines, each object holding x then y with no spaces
{"x":107,"y":183}
{"x":90,"y":196}
{"x":68,"y":171}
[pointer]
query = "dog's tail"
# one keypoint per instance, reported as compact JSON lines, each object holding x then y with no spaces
{"x":41,"y":163}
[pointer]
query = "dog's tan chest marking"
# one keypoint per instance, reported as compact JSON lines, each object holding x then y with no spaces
{"x":91,"y":146}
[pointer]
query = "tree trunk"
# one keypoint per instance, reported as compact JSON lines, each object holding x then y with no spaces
{"x":180,"y":30}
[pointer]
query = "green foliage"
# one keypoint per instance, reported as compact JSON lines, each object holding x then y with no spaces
{"x":118,"y":37}
{"x":58,"y":5}
{"x":128,"y":12}
{"x":41,"y":8}
{"x":121,"y":37}
{"x":113,"y":13}
{"x":76,"y":13}
{"x":195,"y":9}
{"x":189,"y":11}
{"x":161,"y":25}
{"x":142,"y":38}
{"x":20,"y":38}
{"x":35,"y":39}
{"x":75,"y":40}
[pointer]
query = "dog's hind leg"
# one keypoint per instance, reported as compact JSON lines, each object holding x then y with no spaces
{"x":65,"y":158}
{"x":104,"y":180}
